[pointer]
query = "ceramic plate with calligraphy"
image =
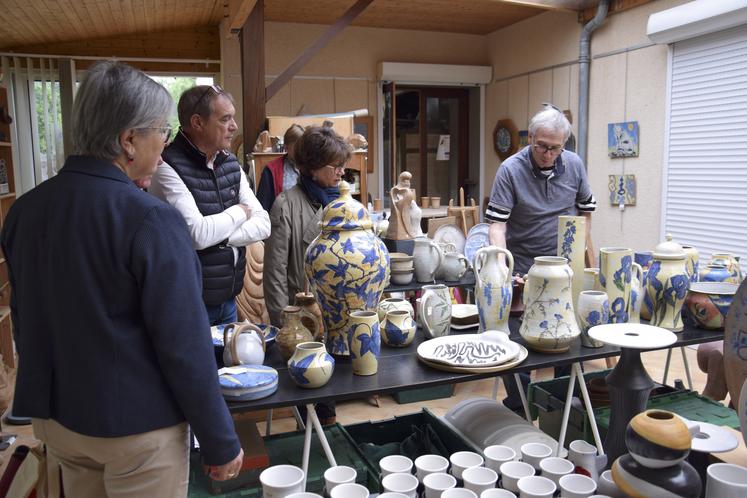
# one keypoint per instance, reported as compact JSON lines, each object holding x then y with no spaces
{"x":469,"y":350}
{"x":477,"y":237}
{"x":270,"y":332}
{"x":521,"y":356}
{"x":451,"y":234}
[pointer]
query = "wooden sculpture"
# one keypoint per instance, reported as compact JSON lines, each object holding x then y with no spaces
{"x":400,"y":227}
{"x":251,"y":300}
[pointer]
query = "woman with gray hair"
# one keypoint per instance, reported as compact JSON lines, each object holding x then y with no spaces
{"x":115,"y":354}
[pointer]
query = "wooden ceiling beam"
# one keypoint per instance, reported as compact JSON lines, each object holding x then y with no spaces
{"x":238,"y":17}
{"x":295,"y":66}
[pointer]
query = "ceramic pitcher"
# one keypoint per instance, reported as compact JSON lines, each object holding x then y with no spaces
{"x":427,"y":259}
{"x":572,"y":246}
{"x":364,"y":342}
{"x":244,"y":344}
{"x":434,"y":310}
{"x":615,"y":268}
{"x":313,"y":321}
{"x":667,"y":285}
{"x":636,"y":294}
{"x":293,"y":331}
{"x":584,"y":457}
{"x":445,"y":248}
{"x":454,"y":266}
{"x":493,"y":287}
{"x":311,"y":366}
{"x":549,"y":323}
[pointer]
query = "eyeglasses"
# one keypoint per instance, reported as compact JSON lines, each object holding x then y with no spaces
{"x":165,"y":130}
{"x":548,"y":104}
{"x":338,"y":169}
{"x":552,"y":149}
{"x":216,"y":88}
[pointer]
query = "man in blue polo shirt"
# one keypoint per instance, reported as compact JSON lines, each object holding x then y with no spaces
{"x":531,"y":189}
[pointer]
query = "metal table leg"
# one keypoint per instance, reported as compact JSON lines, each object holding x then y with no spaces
{"x":566,"y":411}
{"x":306,"y":444}
{"x":268,"y":423}
{"x":320,"y":434}
{"x":687,"y":368}
{"x":523,"y":396}
{"x":666,"y":366}
{"x":589,"y":408}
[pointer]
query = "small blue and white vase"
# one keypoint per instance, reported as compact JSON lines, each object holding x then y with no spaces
{"x":311,"y":366}
{"x":593,"y":309}
{"x":397,"y":328}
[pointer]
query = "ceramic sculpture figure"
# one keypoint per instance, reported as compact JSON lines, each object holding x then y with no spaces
{"x":347,"y":266}
{"x":572,"y":246}
{"x":493,"y":287}
{"x":400,"y":221}
{"x":549,"y":323}
{"x":667,"y":285}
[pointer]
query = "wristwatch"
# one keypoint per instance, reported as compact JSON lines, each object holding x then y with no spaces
{"x":505,"y":138}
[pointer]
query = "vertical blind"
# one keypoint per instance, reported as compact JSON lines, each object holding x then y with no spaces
{"x":705,"y":198}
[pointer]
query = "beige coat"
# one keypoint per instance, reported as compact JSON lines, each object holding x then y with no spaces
{"x":295,"y":224}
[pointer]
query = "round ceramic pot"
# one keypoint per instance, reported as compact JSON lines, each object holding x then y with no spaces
{"x":364,"y":342}
{"x":493,"y":287}
{"x":394,"y":303}
{"x":658,"y":439}
{"x":593,"y":309}
{"x":636,"y":294}
{"x":314,"y":320}
{"x":311,"y":366}
{"x":667,"y":284}
{"x":347,"y":266}
{"x":692,"y":262}
{"x":293,"y":331}
{"x":709,"y":302}
{"x":716,"y":272}
{"x":615,"y":274}
{"x":434,"y":310}
{"x":549,"y":323}
{"x":634,"y":479}
{"x":398,"y":328}
{"x":244,"y":344}
{"x":732,"y":265}
{"x":572,"y":246}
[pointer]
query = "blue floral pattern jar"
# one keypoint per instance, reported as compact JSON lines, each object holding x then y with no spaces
{"x":667,"y":283}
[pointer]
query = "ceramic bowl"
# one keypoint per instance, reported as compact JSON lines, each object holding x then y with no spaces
{"x":709,"y":302}
{"x":401,"y":277}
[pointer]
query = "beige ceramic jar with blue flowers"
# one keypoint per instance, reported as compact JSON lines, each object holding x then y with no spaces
{"x":311,"y":366}
{"x":364,"y":342}
{"x":667,"y":285}
{"x":615,"y":277}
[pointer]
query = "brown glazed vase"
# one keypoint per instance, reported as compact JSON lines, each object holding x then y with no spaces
{"x":315,"y":323}
{"x":293,"y":331}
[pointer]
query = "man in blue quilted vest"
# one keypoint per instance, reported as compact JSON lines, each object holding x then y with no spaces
{"x":205,"y":183}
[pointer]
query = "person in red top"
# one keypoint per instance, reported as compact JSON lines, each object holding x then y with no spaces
{"x":281,"y":173}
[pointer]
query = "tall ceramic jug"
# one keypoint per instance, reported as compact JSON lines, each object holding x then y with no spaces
{"x":584,"y":456}
{"x":636,"y":294}
{"x":493,"y":287}
{"x":347,"y":267}
{"x":572,"y":246}
{"x":314,"y":321}
{"x":434,"y":310}
{"x":427,"y":259}
{"x":615,"y":267}
{"x":293,"y":331}
{"x":549,"y":323}
{"x":667,"y":285}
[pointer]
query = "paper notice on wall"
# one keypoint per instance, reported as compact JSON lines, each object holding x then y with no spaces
{"x":444,"y":148}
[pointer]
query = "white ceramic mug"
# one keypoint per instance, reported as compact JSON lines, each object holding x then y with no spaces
{"x":389,"y":494}
{"x":606,"y":485}
{"x":304,"y":494}
{"x":350,"y":490}
{"x":577,"y":486}
{"x":497,"y":454}
{"x":497,"y":493}
{"x":463,"y":460}
{"x":394,"y":464}
{"x":533,"y":453}
{"x":407,"y":484}
{"x":279,"y":481}
{"x":554,"y":468}
{"x":430,"y":464}
{"x":726,"y":480}
{"x":511,"y":472}
{"x":340,"y":474}
{"x":458,"y":493}
{"x":478,"y":479}
{"x":435,"y":484}
{"x":536,"y":487}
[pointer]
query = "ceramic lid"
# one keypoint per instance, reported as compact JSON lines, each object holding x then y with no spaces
{"x":345,"y":213}
{"x":669,"y":250}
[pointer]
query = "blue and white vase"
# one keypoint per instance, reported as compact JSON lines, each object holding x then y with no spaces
{"x":636,"y":294}
{"x":667,"y":285}
{"x":398,"y":328}
{"x":364,"y":342}
{"x":311,"y":366}
{"x":615,"y":275}
{"x":347,"y":267}
{"x":692,"y":262}
{"x":572,"y":246}
{"x":593,"y":309}
{"x":732,"y":266}
{"x":716,"y":272}
{"x":493,"y":288}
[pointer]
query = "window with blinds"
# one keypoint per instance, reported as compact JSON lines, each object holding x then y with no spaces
{"x":705,"y":188}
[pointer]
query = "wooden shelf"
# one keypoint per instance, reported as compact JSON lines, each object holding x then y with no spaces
{"x":7,"y":196}
{"x":6,"y":144}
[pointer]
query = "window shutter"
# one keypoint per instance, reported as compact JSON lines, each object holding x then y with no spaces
{"x":706,"y":181}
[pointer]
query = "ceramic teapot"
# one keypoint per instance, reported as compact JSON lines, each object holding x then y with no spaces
{"x":454,"y":266}
{"x":244,"y":344}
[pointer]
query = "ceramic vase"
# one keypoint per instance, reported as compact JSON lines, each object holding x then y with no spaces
{"x":427,"y":259}
{"x":735,"y":347}
{"x":397,"y":328}
{"x":572,"y":246}
{"x":364,"y":342}
{"x":636,"y":294}
{"x":732,"y":266}
{"x":244,"y":344}
{"x":493,"y":287}
{"x":667,"y":285}
{"x":314,"y":320}
{"x":692,"y":262}
{"x":434,"y":310}
{"x":347,"y":267}
{"x":394,"y":303}
{"x":549,"y":323}
{"x":716,"y":272}
{"x":593,"y":309}
{"x":311,"y":366}
{"x":293,"y":331}
{"x":591,"y":279}
{"x":615,"y":274}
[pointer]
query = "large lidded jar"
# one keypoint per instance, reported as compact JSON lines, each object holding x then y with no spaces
{"x":347,"y":267}
{"x":667,"y":283}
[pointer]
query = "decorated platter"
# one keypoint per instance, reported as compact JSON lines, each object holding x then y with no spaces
{"x":477,"y":237}
{"x":451,"y":234}
{"x":470,"y":350}
{"x":522,"y":355}
{"x":270,"y":332}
